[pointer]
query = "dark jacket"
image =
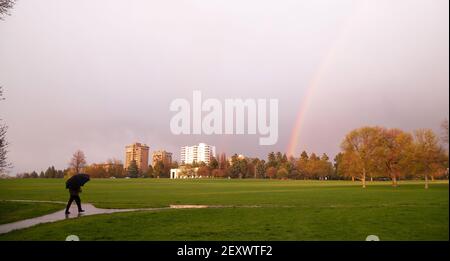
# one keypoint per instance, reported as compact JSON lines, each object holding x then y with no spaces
{"x":74,"y":191}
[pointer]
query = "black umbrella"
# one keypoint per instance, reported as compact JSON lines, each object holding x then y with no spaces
{"x":77,"y":181}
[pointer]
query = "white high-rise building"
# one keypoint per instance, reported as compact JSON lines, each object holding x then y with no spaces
{"x":197,"y":153}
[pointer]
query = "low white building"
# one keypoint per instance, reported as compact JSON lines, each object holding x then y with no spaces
{"x":174,"y":173}
{"x":184,"y":173}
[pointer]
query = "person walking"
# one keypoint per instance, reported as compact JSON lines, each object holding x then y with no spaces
{"x":74,"y":185}
{"x":74,"y":195}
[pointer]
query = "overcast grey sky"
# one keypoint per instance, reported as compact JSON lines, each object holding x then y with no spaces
{"x":97,"y":75}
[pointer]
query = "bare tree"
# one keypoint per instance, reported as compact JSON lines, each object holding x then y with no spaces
{"x":78,"y":161}
{"x":3,"y":142}
{"x":5,"y":5}
{"x":3,"y":151}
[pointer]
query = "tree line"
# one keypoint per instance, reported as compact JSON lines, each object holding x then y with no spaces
{"x":50,"y":173}
{"x":367,"y":154}
{"x":160,"y":169}
{"x":377,"y":152}
{"x":277,"y":166}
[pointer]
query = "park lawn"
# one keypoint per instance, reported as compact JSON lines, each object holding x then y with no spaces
{"x":299,"y":223}
{"x":147,"y":193}
{"x":15,"y":211}
{"x":255,"y":210}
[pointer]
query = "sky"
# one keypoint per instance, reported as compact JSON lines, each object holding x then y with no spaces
{"x":97,"y":75}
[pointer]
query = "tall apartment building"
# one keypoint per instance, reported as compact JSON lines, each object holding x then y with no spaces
{"x":197,"y":153}
{"x":161,"y":155}
{"x":139,"y":153}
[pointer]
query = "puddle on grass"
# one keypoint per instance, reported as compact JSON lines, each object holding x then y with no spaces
{"x":189,"y":206}
{"x":89,"y":210}
{"x":61,"y":215}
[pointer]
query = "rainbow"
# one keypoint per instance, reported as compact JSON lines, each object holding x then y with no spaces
{"x":304,"y":104}
{"x":314,"y":83}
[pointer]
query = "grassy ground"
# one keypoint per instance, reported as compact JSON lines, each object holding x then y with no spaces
{"x":15,"y":211}
{"x":287,"y":210}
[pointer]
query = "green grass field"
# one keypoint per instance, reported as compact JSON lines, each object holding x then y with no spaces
{"x":15,"y":211}
{"x":256,"y":210}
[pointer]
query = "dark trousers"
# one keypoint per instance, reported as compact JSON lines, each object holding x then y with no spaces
{"x":77,"y":200}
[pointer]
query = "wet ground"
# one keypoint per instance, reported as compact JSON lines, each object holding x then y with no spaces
{"x":89,"y":210}
{"x":60,"y":215}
